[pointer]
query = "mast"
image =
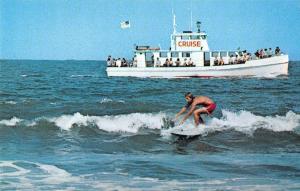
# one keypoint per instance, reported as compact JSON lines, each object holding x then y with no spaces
{"x":174,"y":22}
{"x":191,"y":24}
{"x":191,"y":19}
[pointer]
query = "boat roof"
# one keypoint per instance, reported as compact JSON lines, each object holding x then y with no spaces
{"x":188,"y":33}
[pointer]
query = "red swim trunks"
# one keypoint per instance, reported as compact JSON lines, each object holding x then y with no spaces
{"x":211,"y":107}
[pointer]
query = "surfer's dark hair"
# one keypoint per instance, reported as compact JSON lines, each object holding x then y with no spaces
{"x":189,"y":94}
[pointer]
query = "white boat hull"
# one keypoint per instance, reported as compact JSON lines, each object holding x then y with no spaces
{"x":277,"y":65}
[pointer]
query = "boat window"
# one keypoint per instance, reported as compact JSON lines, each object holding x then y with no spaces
{"x":163,"y":54}
{"x":185,"y":37}
{"x":203,"y":37}
{"x":194,"y":37}
{"x":223,"y":54}
{"x":186,"y":54}
{"x":215,"y":54}
{"x":174,"y":54}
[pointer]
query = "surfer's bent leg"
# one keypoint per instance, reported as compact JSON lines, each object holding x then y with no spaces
{"x":197,"y":117}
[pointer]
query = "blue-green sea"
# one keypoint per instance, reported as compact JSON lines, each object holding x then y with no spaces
{"x":64,"y":125}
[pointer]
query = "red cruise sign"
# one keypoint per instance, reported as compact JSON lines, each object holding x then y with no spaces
{"x":189,"y":43}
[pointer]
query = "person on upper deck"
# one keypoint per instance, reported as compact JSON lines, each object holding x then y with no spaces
{"x":262,"y":53}
{"x":277,"y":51}
{"x":108,"y":61}
{"x":270,"y":52}
{"x":266,"y":53}
{"x":257,"y":54}
{"x":237,"y":59}
{"x":113,"y":62}
{"x":118,"y":62}
{"x":192,"y":103}
{"x":231,"y":59}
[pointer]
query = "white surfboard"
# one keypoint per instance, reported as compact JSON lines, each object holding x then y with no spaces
{"x":187,"y":132}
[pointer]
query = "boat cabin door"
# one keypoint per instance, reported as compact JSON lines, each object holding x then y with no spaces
{"x":206,"y":58}
{"x":149,"y":57}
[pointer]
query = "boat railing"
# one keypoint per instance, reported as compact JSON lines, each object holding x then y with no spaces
{"x":211,"y":58}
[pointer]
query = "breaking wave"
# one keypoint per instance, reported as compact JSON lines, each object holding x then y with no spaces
{"x":247,"y":122}
{"x":10,"y":122}
{"x":242,"y":121}
{"x":120,"y":123}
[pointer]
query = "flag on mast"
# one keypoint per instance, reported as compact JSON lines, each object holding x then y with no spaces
{"x":125,"y":24}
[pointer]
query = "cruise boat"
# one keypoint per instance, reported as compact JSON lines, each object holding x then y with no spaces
{"x":189,"y":56}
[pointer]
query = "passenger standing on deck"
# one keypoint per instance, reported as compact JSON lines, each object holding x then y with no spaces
{"x":216,"y":61}
{"x":221,"y":61}
{"x":185,"y":62}
{"x":177,"y":62}
{"x":108,"y":61}
{"x":171,"y":62}
{"x":270,"y":52}
{"x":277,"y":51}
{"x":157,"y":63}
{"x":192,"y":103}
{"x":166,"y":63}
{"x":191,"y":63}
{"x":118,"y":62}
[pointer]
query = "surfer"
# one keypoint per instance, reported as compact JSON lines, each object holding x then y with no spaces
{"x":192,"y":102}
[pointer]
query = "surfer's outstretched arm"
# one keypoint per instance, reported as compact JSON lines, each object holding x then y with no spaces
{"x":188,"y":114}
{"x":180,"y":112}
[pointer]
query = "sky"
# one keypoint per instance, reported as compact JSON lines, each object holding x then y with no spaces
{"x":90,"y":29}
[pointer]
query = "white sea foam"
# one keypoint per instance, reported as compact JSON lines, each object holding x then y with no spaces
{"x":247,"y":122}
{"x":195,"y":184}
{"x":10,"y":102}
{"x":120,"y":123}
{"x":56,"y":175}
{"x":48,"y":175}
{"x":80,"y":76}
{"x":242,"y":121}
{"x":269,"y":76}
{"x":26,"y":175}
{"x":18,"y":171}
{"x":10,"y":122}
{"x":107,"y":100}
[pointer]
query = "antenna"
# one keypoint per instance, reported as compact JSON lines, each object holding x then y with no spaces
{"x":191,"y":24}
{"x":174,"y":22}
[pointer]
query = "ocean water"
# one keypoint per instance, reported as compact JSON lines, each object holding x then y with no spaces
{"x":64,"y":125}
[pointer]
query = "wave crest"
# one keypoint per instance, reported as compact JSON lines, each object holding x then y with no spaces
{"x":120,"y":123}
{"x":10,"y":122}
{"x":242,"y":121}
